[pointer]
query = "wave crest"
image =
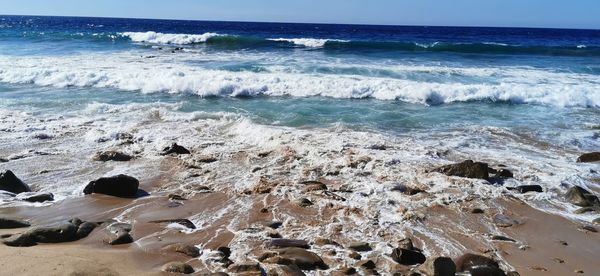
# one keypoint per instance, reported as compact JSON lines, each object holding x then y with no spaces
{"x":161,"y":38}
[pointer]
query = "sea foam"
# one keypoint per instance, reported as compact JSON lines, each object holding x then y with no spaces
{"x":161,"y":38}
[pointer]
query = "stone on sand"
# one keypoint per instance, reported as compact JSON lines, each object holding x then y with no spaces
{"x":11,"y":183}
{"x":119,"y":186}
{"x":467,"y":169}
{"x":178,"y":267}
{"x":581,"y":197}
{"x":35,"y":197}
{"x":438,"y":266}
{"x":12,"y":223}
{"x":589,"y":157}
{"x":408,"y":257}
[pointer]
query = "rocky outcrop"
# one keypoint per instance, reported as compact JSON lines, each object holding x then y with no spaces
{"x":178,"y":267}
{"x":119,"y":186}
{"x":175,"y":149}
{"x":581,"y":197}
{"x":105,"y":156}
{"x":477,"y":265}
{"x":589,"y":157}
{"x":11,"y":183}
{"x":468,"y":169}
{"x":11,"y":223}
{"x":119,"y":233}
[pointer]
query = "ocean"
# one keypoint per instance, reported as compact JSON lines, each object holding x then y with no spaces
{"x":367,"y":107}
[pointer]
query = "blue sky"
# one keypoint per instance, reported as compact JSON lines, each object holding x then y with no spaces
{"x":525,"y":13}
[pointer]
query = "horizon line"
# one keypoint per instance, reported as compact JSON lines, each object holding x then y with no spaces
{"x":306,"y":23}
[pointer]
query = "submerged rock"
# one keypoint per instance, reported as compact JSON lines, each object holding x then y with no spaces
{"x":119,"y":186}
{"x":526,"y":189}
{"x":360,"y":246}
{"x":245,"y":268}
{"x":178,"y":267}
{"x":184,"y":222}
{"x":438,"y":266}
{"x":468,"y":262}
{"x":112,"y":156}
{"x":35,"y":197}
{"x":175,"y":149}
{"x":11,"y":183}
{"x":468,"y":169}
{"x":581,"y":197}
{"x":283,"y":243}
{"x":504,"y":221}
{"x":10,"y":223}
{"x":589,"y":157}
{"x":302,"y":258}
{"x":119,"y":233}
{"x":408,"y":257}
{"x":64,"y":232}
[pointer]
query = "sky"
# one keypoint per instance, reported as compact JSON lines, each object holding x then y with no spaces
{"x":499,"y":13}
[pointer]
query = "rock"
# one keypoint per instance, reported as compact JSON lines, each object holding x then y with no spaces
{"x":119,"y":227}
{"x":360,"y":246}
{"x":11,"y":183}
{"x":283,"y":243}
{"x":467,"y":262}
{"x":272,"y":224}
{"x":477,"y":211}
{"x":581,"y":197}
{"x":347,"y":271}
{"x":589,"y":157}
{"x":304,"y":202}
{"x":20,"y":240}
{"x":85,"y":229}
{"x":584,"y":210}
{"x":486,"y":271}
{"x":184,"y":222}
{"x":410,"y":191}
{"x":186,"y":249}
{"x":438,"y":266}
{"x":323,"y":241}
{"x":588,"y":228}
{"x":315,"y":187}
{"x":175,"y":149}
{"x":178,"y":267}
{"x":355,"y":255}
{"x":105,"y":156}
{"x":176,"y":197}
{"x":468,"y":169}
{"x":596,"y":221}
{"x":120,"y":237}
{"x":35,"y":197}
{"x":245,"y":268}
{"x":504,"y":173}
{"x":304,"y":259}
{"x":502,"y":238}
{"x":526,"y":189}
{"x":366,"y":264}
{"x":64,"y":232}
{"x":10,"y":223}
{"x":504,"y":221}
{"x":408,"y":257}
{"x":119,"y":186}
{"x":407,"y":244}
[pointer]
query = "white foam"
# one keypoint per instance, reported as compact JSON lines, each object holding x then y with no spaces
{"x":161,"y":38}
{"x":308,"y":42}
{"x":129,"y":71}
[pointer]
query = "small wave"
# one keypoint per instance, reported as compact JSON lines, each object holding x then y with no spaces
{"x":161,"y":38}
{"x":308,"y":42}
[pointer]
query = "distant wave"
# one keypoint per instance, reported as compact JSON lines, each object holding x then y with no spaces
{"x":308,"y":42}
{"x":127,"y":72}
{"x":160,"y":38}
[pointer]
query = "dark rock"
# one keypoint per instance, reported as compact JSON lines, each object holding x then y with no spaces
{"x":304,"y":202}
{"x":105,"y":156}
{"x":64,"y":232}
{"x":315,"y":187}
{"x":596,"y":221}
{"x":175,"y":149}
{"x":85,"y":229}
{"x":360,"y":246}
{"x":467,"y":262}
{"x":366,"y":264}
{"x":35,"y":197}
{"x":355,"y":255}
{"x":408,"y":257}
{"x":186,"y":249}
{"x":477,"y":211}
{"x":347,"y":271}
{"x":581,"y":197}
{"x":504,"y":173}
{"x":119,"y":186}
{"x":245,"y":268}
{"x":589,"y":157}
{"x":502,"y":238}
{"x":588,"y":228}
{"x":302,"y":258}
{"x":11,"y":183}
{"x":185,"y":222}
{"x":178,"y":267}
{"x":121,"y":237}
{"x":272,"y":224}
{"x":406,"y":190}
{"x":468,"y":169}
{"x":486,"y":271}
{"x":322,"y":242}
{"x":585,"y":210}
{"x":225,"y":251}
{"x":283,"y":243}
{"x":10,"y":223}
{"x":206,"y":159}
{"x":526,"y":189}
{"x":20,"y":240}
{"x":438,"y":266}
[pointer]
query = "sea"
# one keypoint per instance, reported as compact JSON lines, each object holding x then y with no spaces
{"x":523,"y":97}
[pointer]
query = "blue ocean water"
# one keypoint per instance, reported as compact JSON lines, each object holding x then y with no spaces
{"x":393,"y":79}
